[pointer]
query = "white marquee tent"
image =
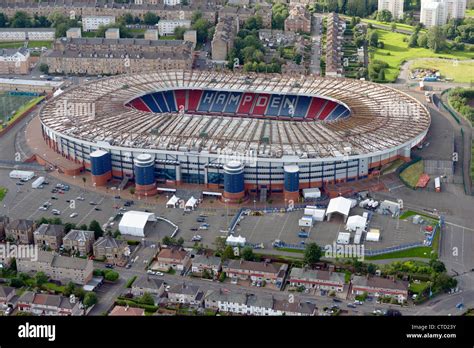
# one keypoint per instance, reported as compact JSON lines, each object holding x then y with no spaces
{"x":235,"y":241}
{"x":339,"y":205}
{"x":191,"y":204}
{"x":172,"y":202}
{"x":133,"y":222}
{"x":356,"y":222}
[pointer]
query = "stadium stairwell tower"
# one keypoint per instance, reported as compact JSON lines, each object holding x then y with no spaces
{"x":292,"y":182}
{"x":144,"y":170}
{"x":234,"y":185}
{"x":101,"y":167}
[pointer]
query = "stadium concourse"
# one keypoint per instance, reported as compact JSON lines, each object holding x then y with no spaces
{"x":229,"y":133}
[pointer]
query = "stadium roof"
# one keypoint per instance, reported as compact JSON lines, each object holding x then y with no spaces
{"x":381,"y":118}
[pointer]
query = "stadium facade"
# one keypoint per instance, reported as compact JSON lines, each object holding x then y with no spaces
{"x":239,"y":131}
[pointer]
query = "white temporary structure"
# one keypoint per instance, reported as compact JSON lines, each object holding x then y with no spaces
{"x":133,"y":222}
{"x":305,"y":221}
{"x":343,"y":238}
{"x":373,"y":235}
{"x":339,"y":205}
{"x":315,"y":213}
{"x":191,"y":204}
{"x":172,"y":202}
{"x":311,"y":193}
{"x":235,"y":241}
{"x":21,"y":174}
{"x":356,"y":222}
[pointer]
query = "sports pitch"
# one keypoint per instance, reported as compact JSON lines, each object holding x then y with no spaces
{"x":9,"y":104}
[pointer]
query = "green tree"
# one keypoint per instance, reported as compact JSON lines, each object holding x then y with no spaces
{"x":69,"y":289}
{"x":68,"y":226}
{"x":79,"y":292}
{"x":21,"y":19}
{"x":17,"y":283}
{"x":372,"y":38}
{"x":90,"y":299}
{"x":150,"y":18}
{"x":422,"y":41}
{"x":413,"y":41}
{"x":147,"y":299}
{"x":312,"y":253}
{"x":201,"y":26}
{"x":219,"y":242}
{"x":436,"y":39}
{"x":279,"y":14}
{"x":179,"y":32}
{"x":95,"y":226}
{"x":83,"y":227}
{"x":228,"y":253}
{"x":3,"y":20}
{"x":41,"y":278}
{"x":127,"y":18}
{"x":371,"y":268}
{"x":248,"y":254}
{"x":384,"y":16}
{"x":111,"y":276}
{"x":253,"y":23}
{"x":393,"y":26}
{"x":437,"y":266}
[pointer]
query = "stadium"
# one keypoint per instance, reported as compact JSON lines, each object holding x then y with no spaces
{"x":232,"y":133}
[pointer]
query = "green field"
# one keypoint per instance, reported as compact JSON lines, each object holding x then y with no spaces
{"x":387,"y":25}
{"x":3,"y":193}
{"x":470,"y":13}
{"x":419,"y":288}
{"x":31,"y":44}
{"x":422,"y":251}
{"x":459,"y":71}
{"x":412,"y":173}
{"x":13,"y":106}
{"x":396,"y":51}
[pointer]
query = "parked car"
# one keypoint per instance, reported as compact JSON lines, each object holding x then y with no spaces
{"x":109,"y":265}
{"x":73,"y":215}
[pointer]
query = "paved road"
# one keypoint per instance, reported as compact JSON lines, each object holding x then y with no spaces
{"x":316,"y":30}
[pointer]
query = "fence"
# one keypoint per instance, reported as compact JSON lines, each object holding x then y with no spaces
{"x":447,"y":108}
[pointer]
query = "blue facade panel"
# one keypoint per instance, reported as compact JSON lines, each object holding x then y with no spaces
{"x":234,"y":183}
{"x":158,"y":96}
{"x":302,"y":106}
{"x":150,"y":102}
{"x":233,"y":102}
{"x":101,"y":165}
{"x":169,"y":96}
{"x":288,"y":109}
{"x":292,"y":181}
{"x":220,"y":101}
{"x":144,"y":175}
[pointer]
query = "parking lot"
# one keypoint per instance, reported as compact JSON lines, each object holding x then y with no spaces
{"x":22,"y":201}
{"x":284,"y":226}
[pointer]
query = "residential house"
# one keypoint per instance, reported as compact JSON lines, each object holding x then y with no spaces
{"x":317,"y":279}
{"x":61,"y":268}
{"x":172,"y":258}
{"x":201,"y":263}
{"x":79,"y":241}
{"x":380,"y":287}
{"x":186,"y":294}
{"x":113,"y":250}
{"x":273,"y":273}
{"x":257,"y":304}
{"x":6,"y":295}
{"x":151,"y":285}
{"x":46,"y":304}
{"x":20,"y":231}
{"x":49,"y":236}
{"x":4,"y":220}
{"x":299,"y":19}
{"x":126,"y":311}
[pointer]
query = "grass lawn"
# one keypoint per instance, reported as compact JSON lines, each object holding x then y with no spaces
{"x":3,"y":193}
{"x":396,"y":51}
{"x":39,"y":44}
{"x":54,"y":287}
{"x":423,"y":251}
{"x":460,"y":71}
{"x":412,"y":173}
{"x":290,"y":250}
{"x":418,"y":288}
{"x":470,"y":13}
{"x":392,"y":166}
{"x":89,"y":34}
{"x":168,"y":37}
{"x":387,"y":25}
{"x":15,"y":44}
{"x":25,"y":107}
